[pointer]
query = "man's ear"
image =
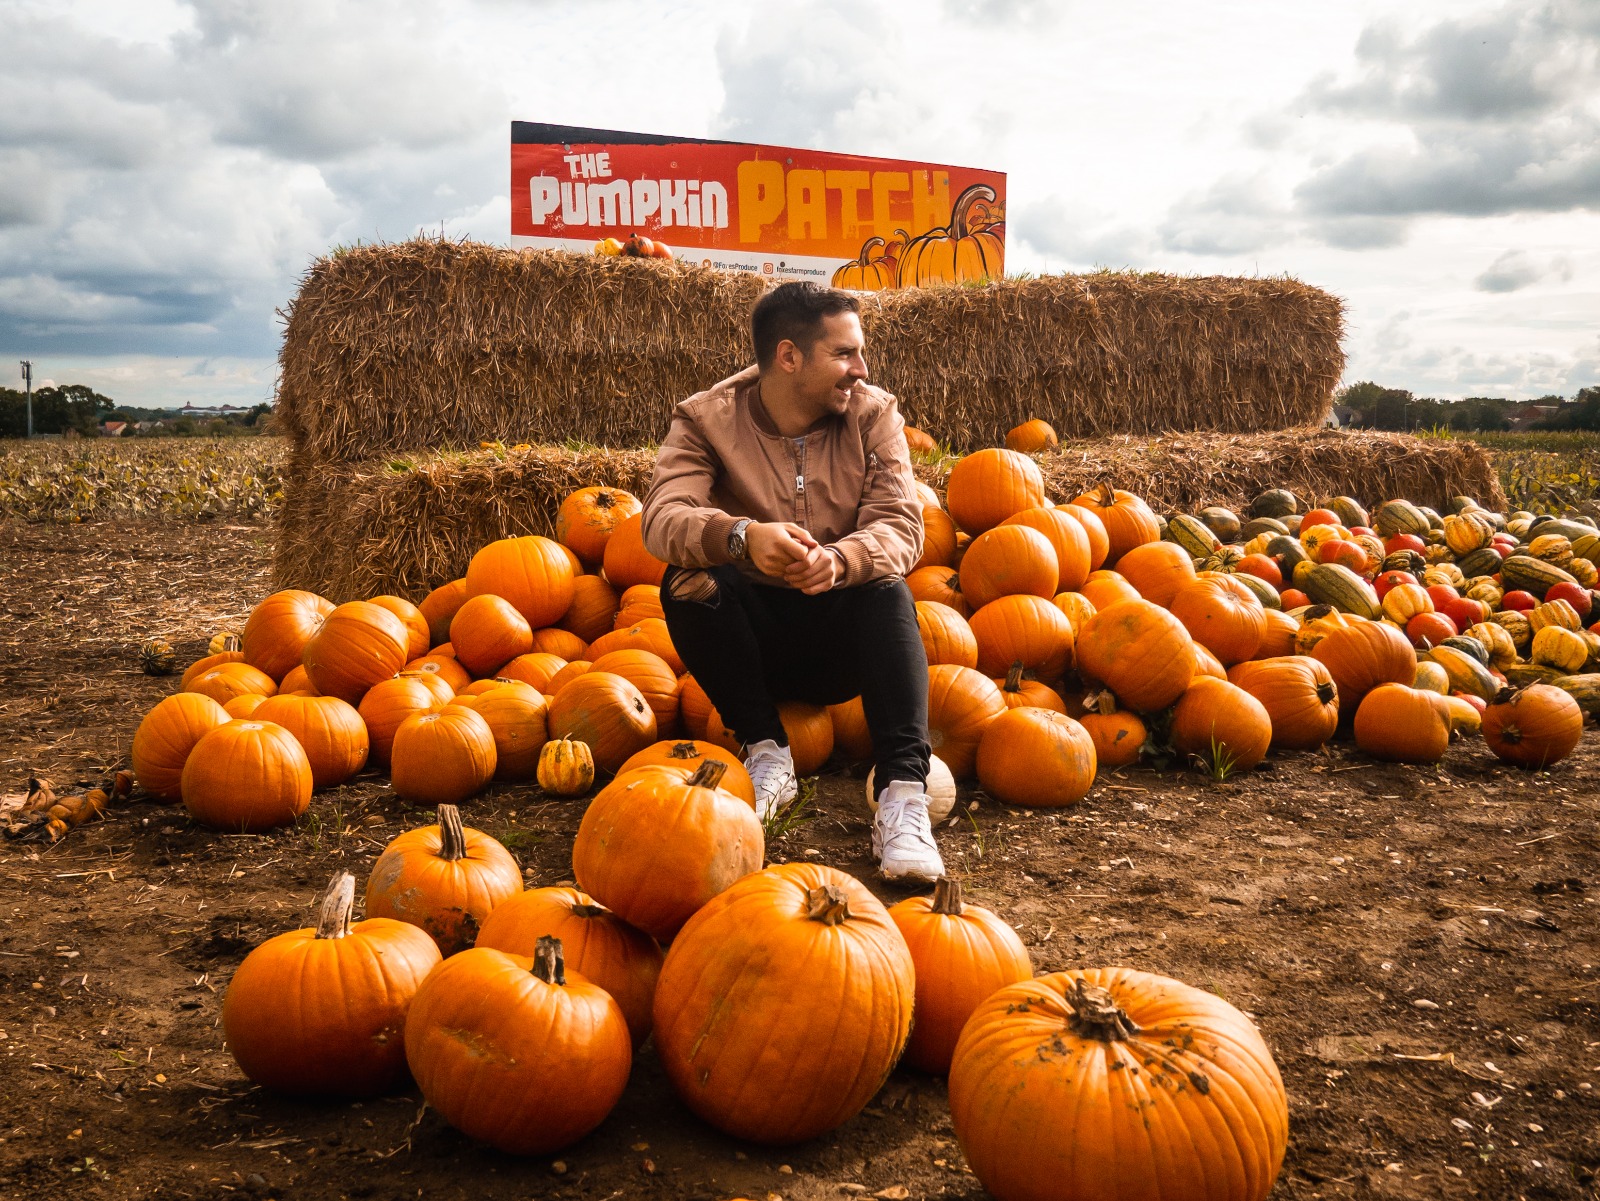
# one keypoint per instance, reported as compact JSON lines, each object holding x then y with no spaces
{"x":789,"y":357}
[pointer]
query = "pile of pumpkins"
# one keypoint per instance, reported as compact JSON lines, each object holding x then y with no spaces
{"x":518,"y":1011}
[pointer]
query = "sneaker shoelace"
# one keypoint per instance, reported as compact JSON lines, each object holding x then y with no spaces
{"x":908,"y":822}
{"x":769,"y":773}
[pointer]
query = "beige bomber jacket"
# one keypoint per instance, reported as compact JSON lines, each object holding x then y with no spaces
{"x":847,"y":480}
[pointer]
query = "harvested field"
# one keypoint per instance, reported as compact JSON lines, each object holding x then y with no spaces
{"x":1418,"y":945}
{"x":409,"y":524}
{"x":432,"y":344}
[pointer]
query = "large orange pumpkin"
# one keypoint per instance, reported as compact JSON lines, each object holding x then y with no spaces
{"x":279,"y":627}
{"x":1037,"y":758}
{"x":646,"y":634}
{"x":517,"y":1052}
{"x":357,"y":645}
{"x":441,"y":757}
{"x":1299,"y":696}
{"x":962,"y":953}
{"x":533,"y":573}
{"x":946,"y":636}
{"x":488,"y":632}
{"x":1022,"y":629}
{"x":444,"y":879}
{"x":659,"y":842}
{"x":387,"y":705}
{"x":961,"y":703}
{"x":738,"y":1023}
{"x":1068,"y":539}
{"x":1007,"y":561}
{"x":330,"y":731}
{"x":1157,"y":570}
{"x":938,"y":538}
{"x":627,"y":562}
{"x":1128,"y":520}
{"x":1105,"y":588}
{"x":988,"y":486}
{"x":440,"y":605}
{"x":1278,"y":636}
{"x":968,"y":250}
{"x":419,"y":634}
{"x":597,"y":944}
{"x":517,"y":717}
{"x":1139,"y":651}
{"x":608,"y":713}
{"x":1094,"y":529}
{"x":246,"y":777}
{"x":1222,"y":615}
{"x":322,"y":1011}
{"x":1533,"y":727}
{"x":535,"y":669}
{"x":594,"y":608}
{"x":688,"y":752}
{"x":1221,"y":724}
{"x":1116,"y":1085}
{"x":167,"y":735}
{"x":1360,"y":655}
{"x":588,"y":517}
{"x":1402,"y":724}
{"x":649,"y":673}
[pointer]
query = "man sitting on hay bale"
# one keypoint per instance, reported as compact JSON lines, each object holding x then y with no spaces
{"x":784,"y":502}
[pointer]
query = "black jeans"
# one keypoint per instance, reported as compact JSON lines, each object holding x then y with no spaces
{"x":751,"y":646}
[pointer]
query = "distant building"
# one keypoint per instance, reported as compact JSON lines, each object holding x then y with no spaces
{"x":113,"y":429}
{"x":1343,"y":418}
{"x":1525,"y":417}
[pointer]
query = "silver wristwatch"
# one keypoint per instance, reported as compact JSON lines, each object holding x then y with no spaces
{"x":736,"y":543}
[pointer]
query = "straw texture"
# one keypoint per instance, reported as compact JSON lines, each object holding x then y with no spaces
{"x":432,"y":344}
{"x":406,"y":525}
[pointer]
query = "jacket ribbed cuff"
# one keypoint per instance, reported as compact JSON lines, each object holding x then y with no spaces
{"x":857,"y":562}
{"x":714,"y":539}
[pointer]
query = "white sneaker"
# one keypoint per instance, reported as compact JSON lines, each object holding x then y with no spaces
{"x":901,"y":837}
{"x":771,"y":769}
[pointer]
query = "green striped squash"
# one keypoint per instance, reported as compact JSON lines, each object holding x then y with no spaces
{"x":1336,"y":585}
{"x":1400,"y":517}
{"x":1525,"y":573}
{"x":1193,"y":535}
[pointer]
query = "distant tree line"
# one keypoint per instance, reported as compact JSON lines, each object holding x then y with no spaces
{"x":1372,"y":406}
{"x":80,"y":409}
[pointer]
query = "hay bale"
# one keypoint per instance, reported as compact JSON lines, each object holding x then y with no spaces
{"x":355,"y":530}
{"x":431,"y":344}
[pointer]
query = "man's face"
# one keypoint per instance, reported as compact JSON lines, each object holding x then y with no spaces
{"x":830,"y":370}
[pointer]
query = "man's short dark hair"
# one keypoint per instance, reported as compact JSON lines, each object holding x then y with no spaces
{"x":793,"y":312}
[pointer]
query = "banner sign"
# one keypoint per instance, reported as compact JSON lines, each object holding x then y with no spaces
{"x":839,"y":219}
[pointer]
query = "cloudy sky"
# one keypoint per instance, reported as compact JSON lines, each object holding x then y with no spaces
{"x":168,"y":168}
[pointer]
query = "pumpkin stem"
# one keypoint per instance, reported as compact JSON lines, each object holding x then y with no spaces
{"x":548,"y":962}
{"x":1014,"y":678}
{"x":589,"y":909}
{"x":963,"y":206}
{"x":1095,"y":1014}
{"x":687,"y":749}
{"x":1106,"y":496}
{"x":452,"y":838}
{"x":709,"y":774}
{"x":867,"y":248}
{"x":827,"y":905}
{"x":231,"y":642}
{"x":947,"y":896}
{"x":604,"y":499}
{"x":333,"y":914}
{"x":1326,"y":693}
{"x":1101,"y":702}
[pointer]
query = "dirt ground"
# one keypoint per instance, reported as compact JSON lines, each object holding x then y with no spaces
{"x":1419,"y":946}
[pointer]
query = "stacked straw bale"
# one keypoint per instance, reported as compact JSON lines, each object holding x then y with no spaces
{"x":353,"y":530}
{"x":430,"y":344}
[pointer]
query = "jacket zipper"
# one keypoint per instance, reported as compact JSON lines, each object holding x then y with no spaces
{"x":800,"y":481}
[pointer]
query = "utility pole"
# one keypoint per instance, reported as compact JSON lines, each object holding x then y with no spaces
{"x":27,"y":384}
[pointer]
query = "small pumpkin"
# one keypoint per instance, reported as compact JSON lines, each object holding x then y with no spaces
{"x":444,"y":879}
{"x":157,"y":658}
{"x":1221,"y":724}
{"x":588,"y":517}
{"x":1534,"y":726}
{"x":946,"y":635}
{"x":1032,"y":437}
{"x":322,"y":1011}
{"x":166,"y":737}
{"x":1127,"y":519}
{"x":1019,"y":692}
{"x":1118,"y":735}
{"x":566,"y":767}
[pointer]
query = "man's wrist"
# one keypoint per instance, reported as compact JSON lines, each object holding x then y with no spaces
{"x":739,"y":540}
{"x":843,"y":567}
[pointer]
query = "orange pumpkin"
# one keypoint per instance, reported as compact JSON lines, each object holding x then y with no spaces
{"x":564,"y":644}
{"x":208,"y":663}
{"x":920,"y":442}
{"x":167,"y":735}
{"x":1128,"y":520}
{"x":244,"y":706}
{"x":694,"y":706}
{"x":871,"y":270}
{"x":419,"y":634}
{"x":1278,"y":637}
{"x":488,"y":632}
{"x":938,"y":538}
{"x":224,"y":683}
{"x":961,"y":703}
{"x":647,"y":634}
{"x":1025,"y":629}
{"x":851,"y":733}
{"x":1118,"y":736}
{"x":659,"y":842}
{"x":516,"y":715}
{"x":988,"y":486}
{"x":941,"y":585}
{"x":387,"y":705}
{"x":279,"y":627}
{"x":281,"y":1029}
{"x":1139,"y":651}
{"x":441,"y":757}
{"x":1007,"y":561}
{"x":246,"y":777}
{"x":808,"y":728}
{"x":588,"y":517}
{"x":535,"y":669}
{"x":565,"y":676}
{"x":946,"y":637}
{"x":688,"y":752}
{"x":329,"y":730}
{"x":1036,"y":758}
{"x":597,"y":944}
{"x":1206,"y":1117}
{"x":443,"y":671}
{"x":1094,"y":529}
{"x":1533,"y":727}
{"x":1105,"y":588}
{"x":608,"y":713}
{"x":1157,"y":570}
{"x":534,"y":574}
{"x":440,"y":605}
{"x":1031,"y":437}
{"x":1221,"y":724}
{"x":593,"y":610}
{"x":357,"y":645}
{"x":1067,"y":537}
{"x":962,"y":953}
{"x":1019,"y":693}
{"x":445,"y":879}
{"x":649,"y":673}
{"x":1299,"y":696}
{"x":627,"y":562}
{"x":638,"y":602}
{"x":1360,"y":655}
{"x":1077,"y":608}
{"x":778,"y":940}
{"x":1222,"y":615}
{"x":965,"y":251}
{"x":1402,"y":724}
